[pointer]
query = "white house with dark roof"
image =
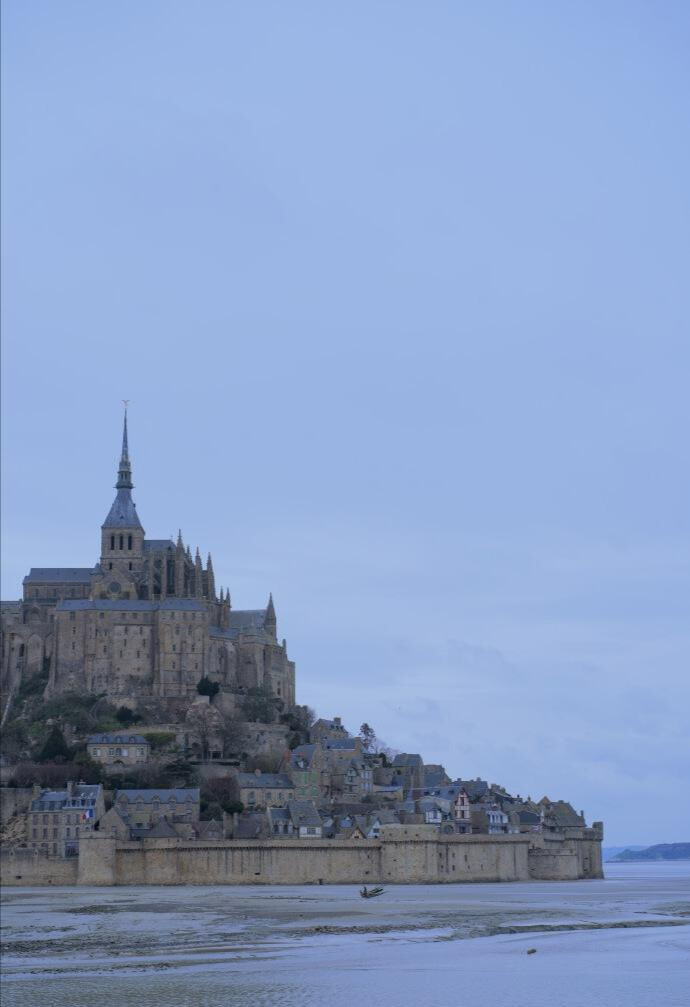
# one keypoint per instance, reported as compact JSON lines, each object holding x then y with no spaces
{"x":119,"y":750}
{"x":57,"y":819}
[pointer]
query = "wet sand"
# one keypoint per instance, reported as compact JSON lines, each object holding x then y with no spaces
{"x":624,"y":940}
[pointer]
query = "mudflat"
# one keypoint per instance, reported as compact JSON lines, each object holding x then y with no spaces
{"x":622,"y":940}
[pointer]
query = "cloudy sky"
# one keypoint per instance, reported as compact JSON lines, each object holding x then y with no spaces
{"x":399,"y":294}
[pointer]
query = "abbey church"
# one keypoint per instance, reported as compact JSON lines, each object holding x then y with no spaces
{"x":144,"y":623}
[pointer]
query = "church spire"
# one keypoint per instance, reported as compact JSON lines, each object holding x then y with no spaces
{"x":124,"y":474}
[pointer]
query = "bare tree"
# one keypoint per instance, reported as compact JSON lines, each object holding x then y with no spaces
{"x":202,"y":721}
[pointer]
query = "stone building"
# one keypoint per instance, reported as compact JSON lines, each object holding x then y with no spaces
{"x":143,"y":808}
{"x":145,"y":622}
{"x":58,"y":818}
{"x":115,"y":751}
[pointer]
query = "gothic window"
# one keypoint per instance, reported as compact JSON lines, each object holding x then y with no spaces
{"x":130,"y":565}
{"x":112,"y":542}
{"x":129,"y":543}
{"x":122,"y":541}
{"x":110,"y":566}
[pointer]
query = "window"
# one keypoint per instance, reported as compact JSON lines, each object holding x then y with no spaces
{"x":72,"y":617}
{"x":112,"y":543}
{"x":129,"y":546}
{"x":130,"y":566}
{"x":68,"y":832}
{"x":122,"y":541}
{"x":110,"y":566}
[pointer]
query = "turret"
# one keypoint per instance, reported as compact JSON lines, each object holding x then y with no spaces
{"x":210,"y":580}
{"x":270,"y":622}
{"x":179,"y":567}
{"x":198,"y":575}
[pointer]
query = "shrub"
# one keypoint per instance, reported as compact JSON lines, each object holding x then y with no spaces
{"x":126,"y":716}
{"x":55,"y":748}
{"x":205,"y":687}
{"x":159,"y":739}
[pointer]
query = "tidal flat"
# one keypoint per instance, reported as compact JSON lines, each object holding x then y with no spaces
{"x":620,"y":941}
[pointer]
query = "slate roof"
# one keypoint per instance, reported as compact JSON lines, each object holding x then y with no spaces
{"x":304,"y":814}
{"x":179,"y":793}
{"x":404,"y":760}
{"x":272,"y":781}
{"x":162,"y":829}
{"x":105,"y":605}
{"x":59,"y":575}
{"x":158,"y":544}
{"x":250,"y":826}
{"x":248,"y":621}
{"x":55,"y":800}
{"x":303,"y":753}
{"x":562,"y":814}
{"x":123,"y":513}
{"x":116,"y":739}
{"x":342,"y":744}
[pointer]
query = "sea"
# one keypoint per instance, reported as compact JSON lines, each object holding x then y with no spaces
{"x":619,"y":942}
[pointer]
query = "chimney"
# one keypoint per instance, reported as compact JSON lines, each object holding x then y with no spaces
{"x":35,"y":791}
{"x":70,"y":789}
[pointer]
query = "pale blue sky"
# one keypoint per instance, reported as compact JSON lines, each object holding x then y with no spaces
{"x":399,"y":294}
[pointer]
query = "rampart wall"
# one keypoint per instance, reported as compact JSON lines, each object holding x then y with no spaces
{"x":404,"y":855}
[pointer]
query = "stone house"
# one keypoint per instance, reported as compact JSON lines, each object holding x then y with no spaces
{"x":306,"y":821}
{"x":304,"y":766}
{"x":117,"y":751}
{"x":462,"y":812}
{"x":262,"y":790}
{"x":58,"y":818}
{"x":410,"y":768}
{"x":143,"y":808}
{"x":328,"y":730}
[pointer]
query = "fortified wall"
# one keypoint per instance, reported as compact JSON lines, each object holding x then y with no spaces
{"x":403,"y":855}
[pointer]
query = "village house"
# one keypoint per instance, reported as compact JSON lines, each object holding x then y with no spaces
{"x":263,"y":790}
{"x":462,"y":812}
{"x":328,"y":730}
{"x":118,"y":751}
{"x":58,"y":818}
{"x":304,"y":766}
{"x":141,"y":809}
{"x":410,"y":768}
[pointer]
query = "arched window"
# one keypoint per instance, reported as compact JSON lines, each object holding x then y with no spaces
{"x":112,"y":541}
{"x":122,"y":541}
{"x":129,"y":541}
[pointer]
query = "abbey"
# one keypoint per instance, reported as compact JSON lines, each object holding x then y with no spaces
{"x":144,"y":623}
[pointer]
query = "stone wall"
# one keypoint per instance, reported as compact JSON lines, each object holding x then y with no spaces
{"x":14,"y":801}
{"x":411,"y":854}
{"x":28,"y":867}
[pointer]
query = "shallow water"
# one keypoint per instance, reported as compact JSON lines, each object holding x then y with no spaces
{"x":621,"y":941}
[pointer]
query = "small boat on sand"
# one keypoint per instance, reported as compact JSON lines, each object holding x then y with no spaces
{"x":370,"y":893}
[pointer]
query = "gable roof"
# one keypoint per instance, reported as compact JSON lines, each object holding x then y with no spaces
{"x":304,"y":814}
{"x":158,"y":544}
{"x":116,"y":739}
{"x":59,"y":575}
{"x":182,"y":794}
{"x":407,"y":760}
{"x":106,"y":605}
{"x":265,"y":781}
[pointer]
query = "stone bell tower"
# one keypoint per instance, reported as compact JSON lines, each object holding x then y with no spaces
{"x":122,"y":536}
